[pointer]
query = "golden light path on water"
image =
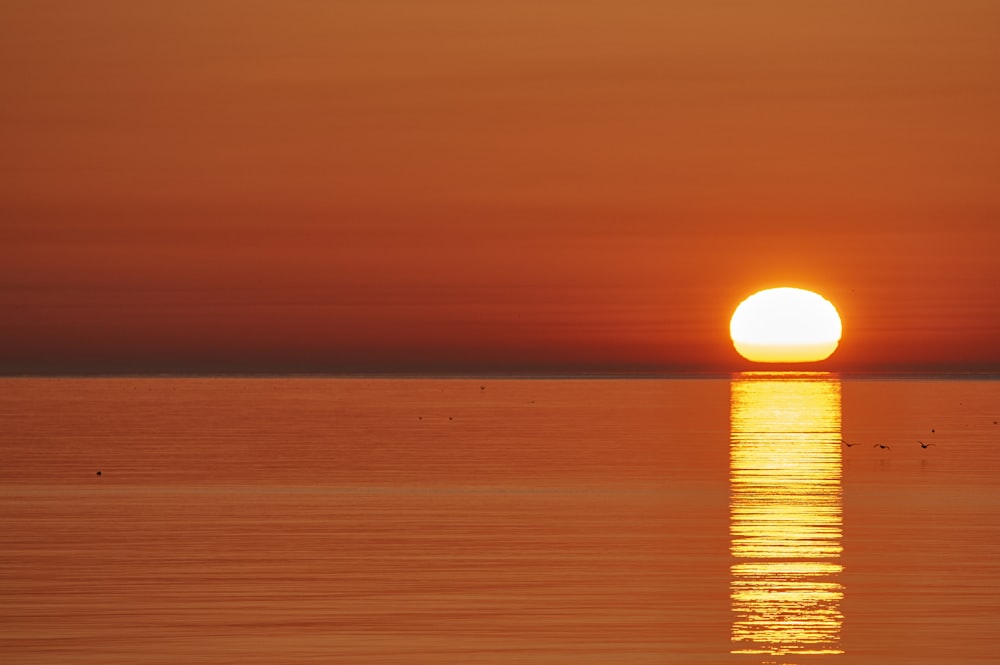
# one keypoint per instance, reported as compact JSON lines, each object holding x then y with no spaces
{"x":785,"y":513}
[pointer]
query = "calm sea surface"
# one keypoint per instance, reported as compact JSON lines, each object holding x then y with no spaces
{"x":499,"y":521}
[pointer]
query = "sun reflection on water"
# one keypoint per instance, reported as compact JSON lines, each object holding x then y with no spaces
{"x":785,"y":513}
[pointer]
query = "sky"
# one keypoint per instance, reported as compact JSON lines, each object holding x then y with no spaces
{"x":465,"y":186}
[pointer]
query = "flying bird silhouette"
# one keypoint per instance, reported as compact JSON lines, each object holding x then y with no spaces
{"x":925,"y":445}
{"x":847,"y":444}
{"x":879,"y":445}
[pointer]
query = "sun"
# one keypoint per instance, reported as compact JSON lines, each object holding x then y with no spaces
{"x":785,"y":325}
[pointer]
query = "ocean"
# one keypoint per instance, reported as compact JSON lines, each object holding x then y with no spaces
{"x":500,"y":520}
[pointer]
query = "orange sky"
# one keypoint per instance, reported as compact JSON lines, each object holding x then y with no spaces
{"x":465,"y":185}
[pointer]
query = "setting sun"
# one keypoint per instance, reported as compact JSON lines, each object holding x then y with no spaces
{"x":785,"y":325}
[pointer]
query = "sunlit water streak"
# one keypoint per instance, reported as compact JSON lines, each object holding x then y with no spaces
{"x":786,"y":514}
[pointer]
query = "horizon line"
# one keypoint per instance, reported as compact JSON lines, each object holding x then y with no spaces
{"x":582,"y":374}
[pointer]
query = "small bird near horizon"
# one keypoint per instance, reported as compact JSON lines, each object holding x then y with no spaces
{"x":925,"y":445}
{"x":847,"y":444}
{"x":879,"y":445}
{"x":98,"y":473}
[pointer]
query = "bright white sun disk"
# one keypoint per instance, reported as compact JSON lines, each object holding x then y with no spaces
{"x":785,"y":325}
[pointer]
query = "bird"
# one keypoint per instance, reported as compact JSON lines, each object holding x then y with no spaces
{"x":847,"y":444}
{"x":98,"y":473}
{"x":925,"y":445}
{"x":879,"y":445}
